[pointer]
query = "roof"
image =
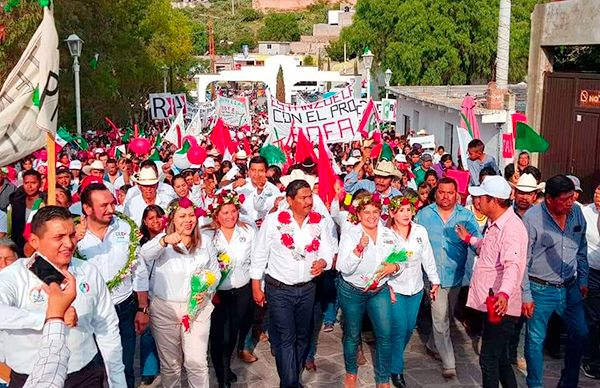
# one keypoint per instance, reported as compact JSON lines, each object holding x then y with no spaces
{"x":451,"y":96}
{"x":272,"y":42}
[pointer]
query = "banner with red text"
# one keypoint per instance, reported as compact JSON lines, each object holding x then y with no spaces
{"x":335,"y":117}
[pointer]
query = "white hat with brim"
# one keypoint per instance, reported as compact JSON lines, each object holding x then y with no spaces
{"x":298,"y":175}
{"x":494,"y":186}
{"x":146,"y":177}
{"x":96,"y":165}
{"x":241,"y":155}
{"x":527,"y":184}
{"x":75,"y":165}
{"x":386,"y":168}
{"x":351,"y":161}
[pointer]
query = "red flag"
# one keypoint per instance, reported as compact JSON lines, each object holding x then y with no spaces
{"x":369,"y":123}
{"x":221,"y":138}
{"x":304,"y":149}
{"x":516,"y":118}
{"x":247,"y":147}
{"x":112,"y":125}
{"x":327,"y":176}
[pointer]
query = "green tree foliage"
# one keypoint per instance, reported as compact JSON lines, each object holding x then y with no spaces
{"x":308,"y":60}
{"x":250,"y":15}
{"x":280,"y":27}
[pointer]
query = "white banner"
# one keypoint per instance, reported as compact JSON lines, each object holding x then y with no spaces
{"x":24,"y":122}
{"x":234,"y":112}
{"x":388,"y":110}
{"x":206,"y":111}
{"x":161,"y":106}
{"x":335,"y":117}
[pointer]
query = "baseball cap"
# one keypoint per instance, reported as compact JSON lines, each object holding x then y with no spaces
{"x":75,"y":165}
{"x":63,"y":170}
{"x":494,"y":186}
{"x":576,"y":182}
{"x":209,"y":163}
{"x":356,"y":153}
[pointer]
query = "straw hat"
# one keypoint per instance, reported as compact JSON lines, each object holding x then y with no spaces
{"x":527,"y":184}
{"x":96,"y":165}
{"x":146,"y":177}
{"x":298,"y":175}
{"x":386,"y":168}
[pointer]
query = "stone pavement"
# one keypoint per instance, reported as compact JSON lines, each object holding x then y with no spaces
{"x":420,"y":369}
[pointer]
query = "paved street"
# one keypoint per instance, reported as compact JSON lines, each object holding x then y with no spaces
{"x":421,"y":369}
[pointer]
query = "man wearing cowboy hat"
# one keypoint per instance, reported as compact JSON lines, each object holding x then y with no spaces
{"x":526,"y":191}
{"x":147,"y":182}
{"x":384,"y":173}
{"x":97,"y":169}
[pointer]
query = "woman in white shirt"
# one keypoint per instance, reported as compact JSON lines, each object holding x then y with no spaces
{"x":183,"y":190}
{"x":408,"y":285}
{"x":232,"y":317}
{"x":362,"y":287}
{"x":175,"y":256}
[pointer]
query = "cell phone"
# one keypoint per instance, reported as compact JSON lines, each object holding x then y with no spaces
{"x":45,"y":271}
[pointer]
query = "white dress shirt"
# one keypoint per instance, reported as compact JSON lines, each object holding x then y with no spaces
{"x":287,"y":266}
{"x":239,"y":249}
{"x":592,"y":234}
{"x":98,"y":322}
{"x":359,"y":270}
{"x":134,"y":206}
{"x":110,"y":255}
{"x":257,"y":206}
{"x":420,"y":255}
{"x":172,"y":271}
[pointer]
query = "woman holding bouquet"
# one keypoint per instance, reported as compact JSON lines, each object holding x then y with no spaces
{"x":185,"y":272}
{"x":362,"y":287}
{"x":232,"y":317}
{"x":408,"y":285}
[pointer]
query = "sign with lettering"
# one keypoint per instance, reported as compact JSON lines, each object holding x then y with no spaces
{"x":589,"y":98}
{"x":335,"y":117}
{"x":166,"y":105}
{"x":233,"y":112}
{"x":508,"y":145}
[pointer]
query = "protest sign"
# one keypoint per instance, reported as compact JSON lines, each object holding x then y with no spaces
{"x":335,"y":117}
{"x":508,"y":145}
{"x":233,"y":112}
{"x":388,"y":110}
{"x":161,"y":106}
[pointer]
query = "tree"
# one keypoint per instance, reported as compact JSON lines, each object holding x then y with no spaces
{"x":308,"y":60}
{"x":280,"y":27}
{"x":280,"y":87}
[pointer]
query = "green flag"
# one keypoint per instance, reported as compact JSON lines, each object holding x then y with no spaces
{"x":127,"y":135}
{"x":386,"y":153}
{"x":94,"y":61}
{"x":155,"y":156}
{"x":158,"y":141}
{"x":528,"y":139}
{"x":81,"y":142}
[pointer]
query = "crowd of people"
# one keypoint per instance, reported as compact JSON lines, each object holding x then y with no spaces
{"x":201,"y":263}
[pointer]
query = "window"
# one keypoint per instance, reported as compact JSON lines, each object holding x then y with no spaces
{"x":406,"y":120}
{"x":269,"y":47}
{"x":449,"y":138}
{"x":415,"y":120}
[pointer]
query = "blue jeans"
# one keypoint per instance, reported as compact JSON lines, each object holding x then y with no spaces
{"x":404,"y":319}
{"x":568,"y":303}
{"x":354,"y":303}
{"x":149,"y":365}
{"x":290,"y":328}
{"x":126,"y":311}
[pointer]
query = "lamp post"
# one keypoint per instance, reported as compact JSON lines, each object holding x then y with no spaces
{"x":368,"y":62}
{"x":388,"y":78}
{"x":75,"y":43}
{"x":165,"y":71}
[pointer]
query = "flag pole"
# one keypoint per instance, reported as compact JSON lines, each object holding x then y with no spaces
{"x":51,"y":150}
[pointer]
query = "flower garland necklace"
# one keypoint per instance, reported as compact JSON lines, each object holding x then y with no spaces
{"x":134,"y":243}
{"x":285,"y":227}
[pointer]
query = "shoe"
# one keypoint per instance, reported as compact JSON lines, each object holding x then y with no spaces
{"x":398,"y":380}
{"x":328,"y":328}
{"x":360,"y":358}
{"x":231,"y":377}
{"x":350,"y":380}
{"x":247,"y":356}
{"x":449,"y":373}
{"x":148,"y":380}
{"x":310,"y":366}
{"x":434,"y":355}
{"x":590,"y":371}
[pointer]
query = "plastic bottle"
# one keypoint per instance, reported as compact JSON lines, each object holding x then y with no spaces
{"x":490,"y":301}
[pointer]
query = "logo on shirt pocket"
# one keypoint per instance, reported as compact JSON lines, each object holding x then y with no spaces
{"x":84,"y":287}
{"x":36,"y":295}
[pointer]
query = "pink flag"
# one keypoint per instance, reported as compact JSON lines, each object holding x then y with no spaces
{"x":304,"y":149}
{"x":327,"y":177}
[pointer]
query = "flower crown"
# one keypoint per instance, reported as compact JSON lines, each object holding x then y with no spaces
{"x":401,"y":200}
{"x":363,"y":201}
{"x":225,"y":197}
{"x":183,"y":203}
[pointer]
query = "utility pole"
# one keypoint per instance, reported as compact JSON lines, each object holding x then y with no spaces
{"x":212,"y":53}
{"x":503,"y":50}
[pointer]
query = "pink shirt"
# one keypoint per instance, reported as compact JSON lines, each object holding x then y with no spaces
{"x":501,"y":263}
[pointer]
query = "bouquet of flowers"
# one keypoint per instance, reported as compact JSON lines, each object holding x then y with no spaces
{"x":398,"y":257}
{"x":224,"y":265}
{"x":202,"y":281}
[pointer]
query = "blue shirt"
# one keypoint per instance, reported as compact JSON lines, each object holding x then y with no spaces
{"x":351,"y":184}
{"x":553,"y":254}
{"x":450,"y":252}
{"x":475,"y":167}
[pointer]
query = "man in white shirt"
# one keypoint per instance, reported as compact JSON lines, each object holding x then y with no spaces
{"x":591,"y":358}
{"x":290,"y":251}
{"x":23,"y":308}
{"x":147,"y":184}
{"x":104,"y":240}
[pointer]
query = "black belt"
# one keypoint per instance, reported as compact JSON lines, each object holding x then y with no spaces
{"x":564,"y":284}
{"x":130,"y":299}
{"x":271,"y":281}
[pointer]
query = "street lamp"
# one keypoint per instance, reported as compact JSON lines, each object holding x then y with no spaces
{"x":165,"y":71}
{"x":388,"y":78}
{"x":75,"y":43}
{"x":368,"y":62}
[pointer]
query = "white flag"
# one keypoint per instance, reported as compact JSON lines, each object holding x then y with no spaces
{"x":464,"y":137}
{"x":177,"y":130}
{"x":24,"y":122}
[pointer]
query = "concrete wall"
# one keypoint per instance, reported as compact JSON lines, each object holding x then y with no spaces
{"x":328,"y":30}
{"x":433,"y":119}
{"x":276,"y":48}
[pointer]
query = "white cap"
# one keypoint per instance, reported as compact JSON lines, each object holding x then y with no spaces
{"x":98,"y":151}
{"x":400,"y":158}
{"x":351,"y":161}
{"x":209,"y":163}
{"x":494,"y":186}
{"x":75,"y":165}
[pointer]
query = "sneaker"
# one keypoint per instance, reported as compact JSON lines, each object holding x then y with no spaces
{"x":328,"y":328}
{"x":590,"y":371}
{"x":449,"y":373}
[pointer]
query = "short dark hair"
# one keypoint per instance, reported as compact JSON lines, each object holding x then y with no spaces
{"x":32,"y":172}
{"x":259,"y":160}
{"x":46,"y":214}
{"x":431,"y":173}
{"x":557,"y":185}
{"x":86,"y":196}
{"x":66,"y":191}
{"x":476,"y":144}
{"x":441,"y":148}
{"x":445,"y":158}
{"x":446,"y":181}
{"x":295,"y":186}
{"x":111,"y":160}
{"x":537,"y":174}
{"x":149,"y":163}
{"x":486,"y":171}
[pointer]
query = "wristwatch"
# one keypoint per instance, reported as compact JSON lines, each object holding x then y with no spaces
{"x":143,"y":310}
